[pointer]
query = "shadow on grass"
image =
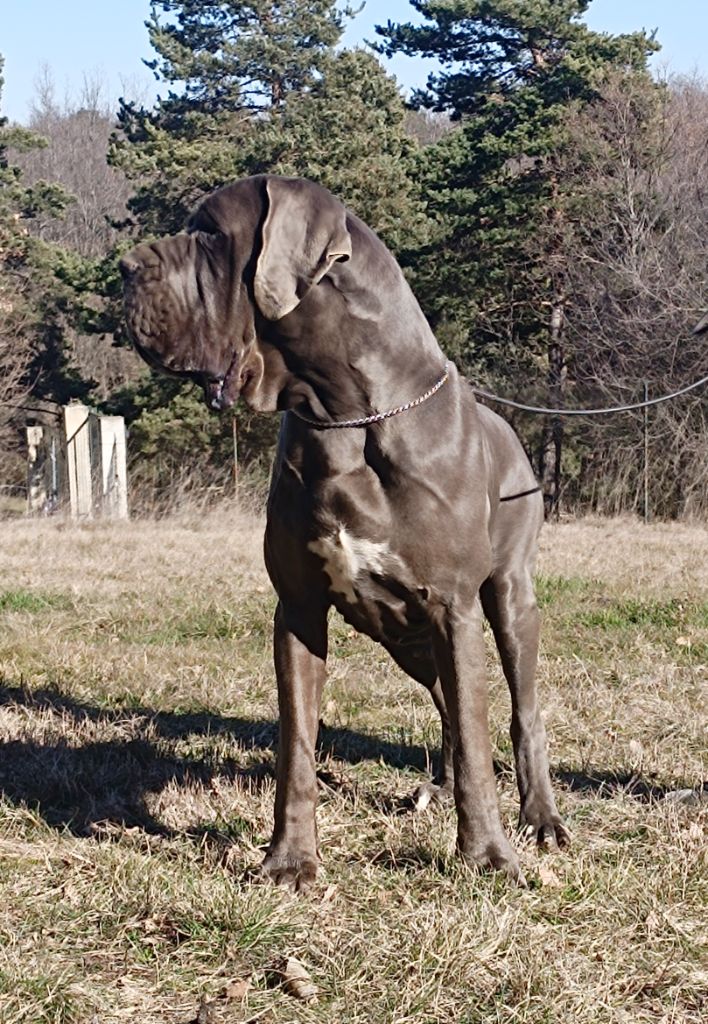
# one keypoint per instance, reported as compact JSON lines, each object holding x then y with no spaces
{"x":609,"y":784}
{"x":78,"y":785}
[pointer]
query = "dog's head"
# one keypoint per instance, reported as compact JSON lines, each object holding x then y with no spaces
{"x":197,"y":304}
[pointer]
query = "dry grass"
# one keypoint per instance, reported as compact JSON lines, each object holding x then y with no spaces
{"x":137,"y":714}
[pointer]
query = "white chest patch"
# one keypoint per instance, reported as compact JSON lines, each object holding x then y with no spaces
{"x":346,"y":558}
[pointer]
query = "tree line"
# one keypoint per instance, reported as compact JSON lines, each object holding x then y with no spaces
{"x":545,"y":195}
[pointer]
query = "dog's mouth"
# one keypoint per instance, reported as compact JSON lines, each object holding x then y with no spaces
{"x":221,"y":392}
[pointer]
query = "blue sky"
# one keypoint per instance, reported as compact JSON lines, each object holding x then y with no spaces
{"x":107,"y":38}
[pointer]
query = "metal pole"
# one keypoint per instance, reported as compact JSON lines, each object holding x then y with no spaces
{"x":234,"y":427}
{"x":646,"y":454}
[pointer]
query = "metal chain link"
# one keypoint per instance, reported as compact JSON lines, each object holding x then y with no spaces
{"x":377,"y":417}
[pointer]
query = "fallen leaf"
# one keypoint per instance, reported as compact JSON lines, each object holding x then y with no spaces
{"x":237,"y":990}
{"x":292,"y":976}
{"x":652,"y":922}
{"x":422,"y":797}
{"x":636,"y":750}
{"x":696,"y":833}
{"x":329,"y":893}
{"x":692,"y":797}
{"x":548,"y":876}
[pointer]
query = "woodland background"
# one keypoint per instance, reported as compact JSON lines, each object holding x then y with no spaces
{"x":544,"y":193}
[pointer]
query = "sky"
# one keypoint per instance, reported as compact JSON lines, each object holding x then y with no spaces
{"x":106,"y":39}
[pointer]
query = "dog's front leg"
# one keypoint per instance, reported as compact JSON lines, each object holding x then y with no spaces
{"x":300,"y":645}
{"x":459,"y":654}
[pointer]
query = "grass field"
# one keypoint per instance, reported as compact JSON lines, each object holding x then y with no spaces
{"x":137,"y":722}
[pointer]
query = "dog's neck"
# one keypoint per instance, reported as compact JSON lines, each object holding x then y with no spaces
{"x":344,"y":360}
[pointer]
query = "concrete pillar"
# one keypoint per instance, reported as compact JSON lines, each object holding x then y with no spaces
{"x":114,"y":473}
{"x":78,"y":461}
{"x":36,"y":476}
{"x":46,"y":469}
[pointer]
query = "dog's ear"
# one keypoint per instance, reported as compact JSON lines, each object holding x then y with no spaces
{"x":304,"y":233}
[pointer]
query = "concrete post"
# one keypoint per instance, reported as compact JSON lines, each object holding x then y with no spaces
{"x":78,"y":458}
{"x":82,"y":466}
{"x":114,"y":473}
{"x":36,"y":476}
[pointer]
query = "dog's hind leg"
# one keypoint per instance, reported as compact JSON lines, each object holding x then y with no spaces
{"x":509,"y":604}
{"x":420,"y":666}
{"x":458,"y":644}
{"x":441,"y":788}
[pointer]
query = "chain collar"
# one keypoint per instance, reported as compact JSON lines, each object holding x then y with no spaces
{"x":377,"y":417}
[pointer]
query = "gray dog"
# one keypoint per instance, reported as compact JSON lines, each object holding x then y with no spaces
{"x":394,"y":496}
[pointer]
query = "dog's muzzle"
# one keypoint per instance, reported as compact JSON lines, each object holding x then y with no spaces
{"x":222,"y":390}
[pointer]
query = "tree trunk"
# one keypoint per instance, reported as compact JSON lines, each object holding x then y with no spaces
{"x":552,"y":437}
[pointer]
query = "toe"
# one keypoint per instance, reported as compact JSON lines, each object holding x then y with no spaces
{"x":430,"y":793}
{"x":292,"y":872}
{"x":563,"y":836}
{"x":546,"y":838}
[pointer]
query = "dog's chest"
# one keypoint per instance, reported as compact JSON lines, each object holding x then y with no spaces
{"x":351,"y":561}
{"x":370,"y":585}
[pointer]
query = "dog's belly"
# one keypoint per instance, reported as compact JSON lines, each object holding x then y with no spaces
{"x":374,"y":590}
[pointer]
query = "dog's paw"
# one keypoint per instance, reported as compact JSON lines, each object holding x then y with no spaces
{"x":547,"y":830}
{"x":295,"y":872}
{"x":499,"y":855}
{"x":431,"y":793}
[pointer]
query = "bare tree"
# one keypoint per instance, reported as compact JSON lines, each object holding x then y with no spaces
{"x":77,"y":130}
{"x":635,"y":265}
{"x":427,"y":126}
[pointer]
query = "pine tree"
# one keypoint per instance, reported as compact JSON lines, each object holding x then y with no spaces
{"x":511,"y":73}
{"x":31,"y":351}
{"x":348,"y":132}
{"x":230,"y":67}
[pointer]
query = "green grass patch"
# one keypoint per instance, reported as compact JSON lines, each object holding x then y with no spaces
{"x":32,"y":601}
{"x":49,"y":997}
{"x":623,"y":613}
{"x":588,"y":602}
{"x":552,"y":589}
{"x":578,"y":609}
